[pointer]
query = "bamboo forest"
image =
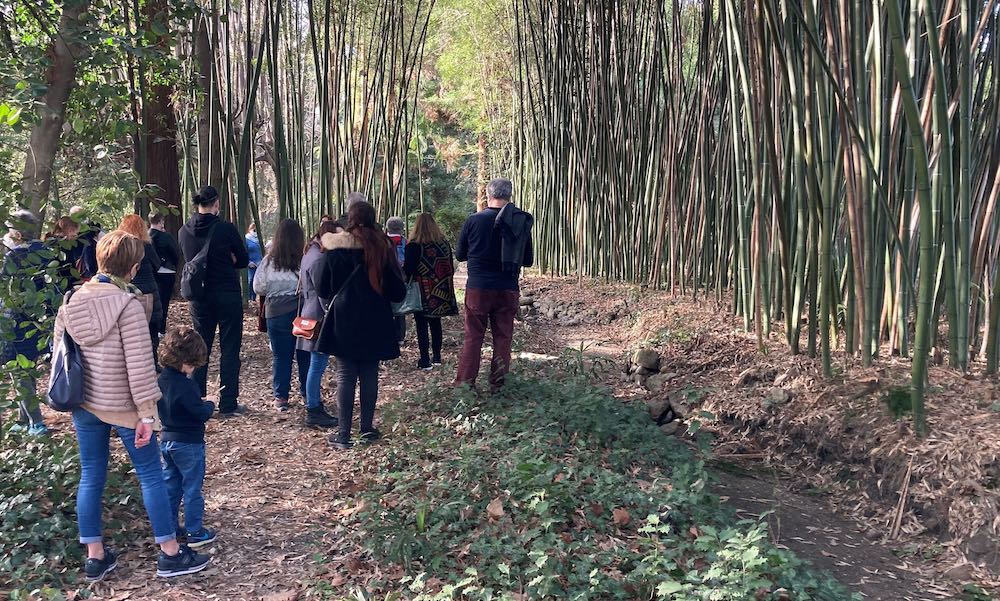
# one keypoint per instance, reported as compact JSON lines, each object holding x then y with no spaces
{"x":755,"y":308}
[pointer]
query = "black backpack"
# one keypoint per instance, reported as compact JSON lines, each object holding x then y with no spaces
{"x":194,"y":272}
{"x":66,"y":391}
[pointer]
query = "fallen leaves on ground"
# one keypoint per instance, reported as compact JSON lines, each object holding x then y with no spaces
{"x":495,"y":509}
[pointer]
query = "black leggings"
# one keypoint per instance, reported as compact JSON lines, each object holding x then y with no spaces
{"x":425,"y":323}
{"x":350,"y":374}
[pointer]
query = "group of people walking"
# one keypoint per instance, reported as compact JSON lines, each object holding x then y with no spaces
{"x":337,"y":296}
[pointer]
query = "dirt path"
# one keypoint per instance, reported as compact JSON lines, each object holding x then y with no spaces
{"x":808,"y":527}
{"x":278,"y":495}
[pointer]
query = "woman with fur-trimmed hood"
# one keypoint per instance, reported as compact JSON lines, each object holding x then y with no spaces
{"x":360,"y":273}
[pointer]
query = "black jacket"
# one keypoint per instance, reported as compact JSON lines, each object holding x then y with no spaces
{"x":166,"y":248}
{"x":360,"y":324}
{"x":27,"y":300}
{"x":67,"y":253}
{"x":145,"y":278}
{"x":223,"y":273}
{"x":183,"y":412}
{"x":89,"y":250}
{"x":514,"y":227}
{"x":482,"y":243}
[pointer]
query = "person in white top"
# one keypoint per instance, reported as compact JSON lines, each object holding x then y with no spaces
{"x":277,"y":282}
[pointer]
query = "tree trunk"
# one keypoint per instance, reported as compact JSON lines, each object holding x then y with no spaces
{"x":64,"y":51}
{"x":160,"y":125}
{"x":209,"y":137}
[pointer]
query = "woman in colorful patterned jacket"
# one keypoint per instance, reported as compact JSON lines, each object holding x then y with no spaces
{"x":430,"y":262}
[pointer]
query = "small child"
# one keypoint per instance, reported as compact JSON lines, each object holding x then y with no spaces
{"x":183,"y":414}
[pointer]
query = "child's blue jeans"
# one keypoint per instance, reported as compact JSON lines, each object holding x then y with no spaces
{"x":184,"y":474}
{"x":94,"y":437}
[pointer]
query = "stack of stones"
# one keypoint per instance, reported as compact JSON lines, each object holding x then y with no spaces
{"x":645,"y":368}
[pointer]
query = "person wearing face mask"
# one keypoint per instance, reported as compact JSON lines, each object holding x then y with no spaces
{"x":222,"y":307}
{"x":256,"y":252}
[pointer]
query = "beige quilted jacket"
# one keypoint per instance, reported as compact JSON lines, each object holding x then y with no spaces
{"x":111,"y":329}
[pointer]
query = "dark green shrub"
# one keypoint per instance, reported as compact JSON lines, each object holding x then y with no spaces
{"x":451,"y":217}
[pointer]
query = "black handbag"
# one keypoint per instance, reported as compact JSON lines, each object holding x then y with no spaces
{"x":66,"y":391}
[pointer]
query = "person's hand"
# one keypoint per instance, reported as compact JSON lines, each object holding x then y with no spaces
{"x":233,"y":256}
{"x":249,"y":265}
{"x":143,"y":434}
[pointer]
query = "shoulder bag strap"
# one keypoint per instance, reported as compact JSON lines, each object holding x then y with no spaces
{"x":298,"y":289}
{"x":208,"y":240}
{"x":329,"y":305}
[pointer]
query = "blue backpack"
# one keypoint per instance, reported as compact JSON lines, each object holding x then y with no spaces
{"x":400,"y":243}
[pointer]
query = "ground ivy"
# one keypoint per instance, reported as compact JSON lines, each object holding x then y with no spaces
{"x":554,"y":489}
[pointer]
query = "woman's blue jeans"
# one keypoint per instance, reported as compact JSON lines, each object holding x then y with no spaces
{"x":279,"y":331}
{"x":94,"y":438}
{"x":314,"y":381}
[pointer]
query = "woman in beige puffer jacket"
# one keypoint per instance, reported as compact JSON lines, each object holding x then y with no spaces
{"x":109,"y":325}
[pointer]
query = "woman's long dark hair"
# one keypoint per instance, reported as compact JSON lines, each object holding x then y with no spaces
{"x":361,"y":225}
{"x":286,"y":249}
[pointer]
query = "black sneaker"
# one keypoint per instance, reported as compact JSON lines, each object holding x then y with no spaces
{"x":436,"y":361}
{"x":424,"y":365}
{"x":185,"y":562}
{"x":318,"y":417}
{"x":201,"y":538}
{"x":97,"y":569}
{"x":339,"y":443}
{"x":237,"y":411}
{"x":370,"y":436}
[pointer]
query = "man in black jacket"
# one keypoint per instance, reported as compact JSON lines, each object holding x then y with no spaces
{"x":170,"y":259}
{"x":497,"y":244}
{"x":223,"y":304}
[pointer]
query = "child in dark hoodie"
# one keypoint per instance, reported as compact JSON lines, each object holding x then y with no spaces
{"x":183,"y":414}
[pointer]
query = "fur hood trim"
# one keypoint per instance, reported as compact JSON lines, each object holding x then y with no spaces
{"x":340,"y":240}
